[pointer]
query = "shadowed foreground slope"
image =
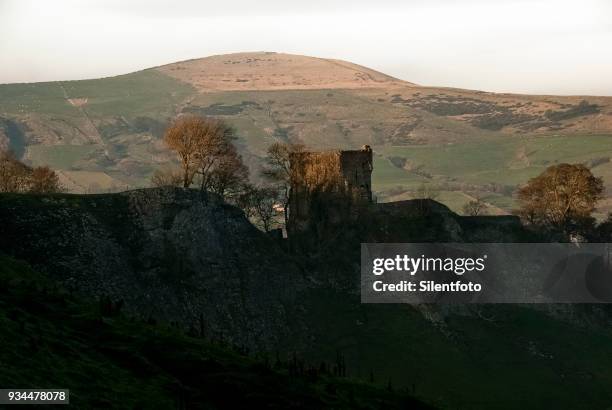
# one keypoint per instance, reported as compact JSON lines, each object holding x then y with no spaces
{"x":51,"y":339}
{"x":199,"y":262}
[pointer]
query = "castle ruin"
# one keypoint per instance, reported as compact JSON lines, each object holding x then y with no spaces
{"x":326,"y":185}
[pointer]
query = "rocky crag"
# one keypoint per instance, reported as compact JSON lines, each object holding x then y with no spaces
{"x":167,"y":254}
{"x":173,"y":255}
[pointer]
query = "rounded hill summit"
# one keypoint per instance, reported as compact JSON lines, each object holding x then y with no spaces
{"x":275,"y":71}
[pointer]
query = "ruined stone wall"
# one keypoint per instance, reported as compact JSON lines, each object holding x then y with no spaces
{"x":312,"y":173}
{"x":328,"y":183}
{"x":357,"y":172}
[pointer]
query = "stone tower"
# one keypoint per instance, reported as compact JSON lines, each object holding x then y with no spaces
{"x":328,"y":184}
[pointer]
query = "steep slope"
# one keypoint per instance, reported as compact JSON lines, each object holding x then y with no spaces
{"x":53,"y":339}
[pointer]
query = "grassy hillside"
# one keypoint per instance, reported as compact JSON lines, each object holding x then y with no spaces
{"x":143,"y":93}
{"x":51,"y":339}
{"x":106,"y":127}
{"x":105,"y":134}
{"x":488,"y":167}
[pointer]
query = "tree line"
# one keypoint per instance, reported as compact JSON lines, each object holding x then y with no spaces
{"x":560,"y":201}
{"x":208,"y":159}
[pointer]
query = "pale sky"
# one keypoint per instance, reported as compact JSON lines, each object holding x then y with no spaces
{"x":535,"y":46}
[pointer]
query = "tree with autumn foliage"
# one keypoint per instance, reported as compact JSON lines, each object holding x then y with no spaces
{"x":561,"y":197}
{"x":43,"y":180}
{"x":16,"y":176}
{"x":206,"y":151}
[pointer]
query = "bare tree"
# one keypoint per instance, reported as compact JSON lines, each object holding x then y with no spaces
{"x":167,"y":177}
{"x":244,"y":200}
{"x":278,"y":170}
{"x":424,"y":195}
{"x":229,"y":175}
{"x":259,"y":204}
{"x":561,"y":196}
{"x":474,"y":208}
{"x":185,"y":136}
{"x":205,"y":148}
{"x":213,"y":151}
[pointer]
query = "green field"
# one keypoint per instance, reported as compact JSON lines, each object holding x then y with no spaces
{"x":23,"y":99}
{"x":473,"y":166}
{"x":147,"y":93}
{"x":61,"y":157}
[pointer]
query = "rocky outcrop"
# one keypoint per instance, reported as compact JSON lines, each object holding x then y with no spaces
{"x":174,"y":255}
{"x":168,"y":253}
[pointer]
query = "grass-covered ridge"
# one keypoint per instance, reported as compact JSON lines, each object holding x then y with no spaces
{"x":104,"y":134}
{"x":143,"y":92}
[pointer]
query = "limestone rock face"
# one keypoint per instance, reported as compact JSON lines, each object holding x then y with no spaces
{"x":168,"y":253}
